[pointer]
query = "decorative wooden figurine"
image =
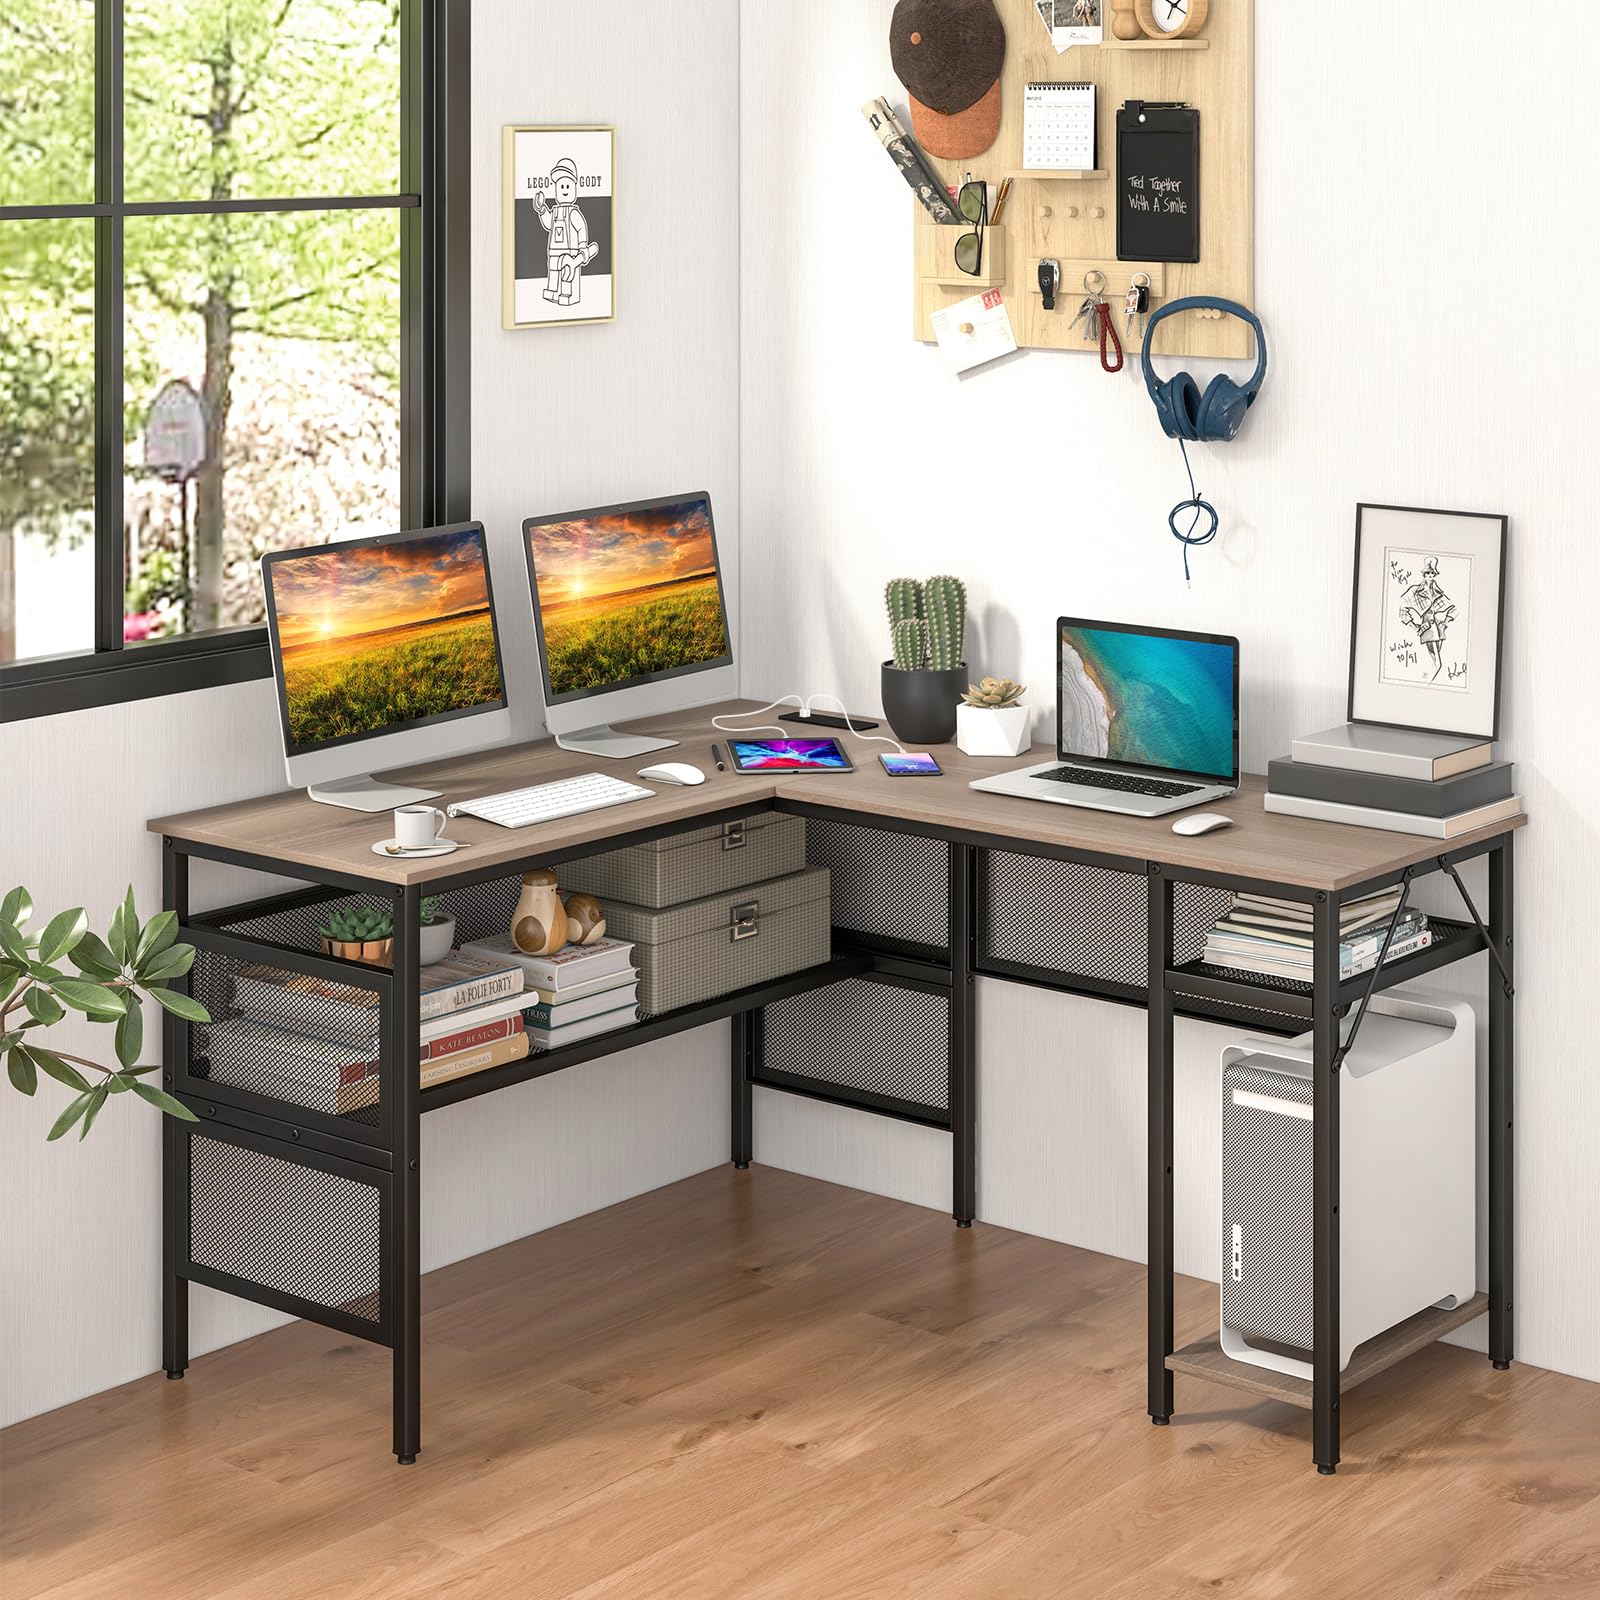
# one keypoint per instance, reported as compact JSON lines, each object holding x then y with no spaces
{"x":1124,"y":22}
{"x":539,"y":924}
{"x":586,"y":919}
{"x":949,"y":55}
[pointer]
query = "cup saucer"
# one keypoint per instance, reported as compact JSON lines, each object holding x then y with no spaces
{"x":386,"y":847}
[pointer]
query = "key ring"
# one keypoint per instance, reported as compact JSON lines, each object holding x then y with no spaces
{"x":1089,"y":288}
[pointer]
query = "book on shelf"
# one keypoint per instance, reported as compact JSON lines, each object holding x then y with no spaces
{"x":577,"y":963}
{"x":318,"y":1009}
{"x":464,"y":1063}
{"x":562,"y":1011}
{"x":1222,"y":938}
{"x":1286,"y":964}
{"x":1442,"y":797}
{"x":472,"y":1037}
{"x":1393,"y":752}
{"x":588,"y":1028}
{"x":1289,"y":805}
{"x":579,"y":991}
{"x":1255,"y":914}
{"x":467,"y":978}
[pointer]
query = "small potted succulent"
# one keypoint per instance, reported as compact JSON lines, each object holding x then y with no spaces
{"x":359,"y":933}
{"x":992,"y":721}
{"x":438,"y":933}
{"x":921,"y":685}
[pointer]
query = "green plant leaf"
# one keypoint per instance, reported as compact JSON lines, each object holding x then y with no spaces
{"x":130,"y":1032}
{"x":158,"y":933}
{"x":75,"y":1109}
{"x":180,"y":1005}
{"x":13,"y":943}
{"x":92,"y":955}
{"x":61,"y":933}
{"x":49,"y":1063}
{"x":93,"y":999}
{"x":97,"y":1098}
{"x":117,"y":1084}
{"x":9,"y":1040}
{"x":20,"y":1070}
{"x":44,"y":1005}
{"x":130,"y":925}
{"x":10,"y":971}
{"x":117,"y":938}
{"x":17,"y":907}
{"x":161,"y":1099}
{"x":165,"y":964}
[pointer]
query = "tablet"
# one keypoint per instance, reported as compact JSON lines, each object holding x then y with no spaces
{"x":789,"y":755}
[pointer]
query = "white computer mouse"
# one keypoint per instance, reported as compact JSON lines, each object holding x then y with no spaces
{"x":678,"y":772}
{"x":1201,"y":822}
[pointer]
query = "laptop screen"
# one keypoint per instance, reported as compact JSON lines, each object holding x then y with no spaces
{"x":1154,"y":699}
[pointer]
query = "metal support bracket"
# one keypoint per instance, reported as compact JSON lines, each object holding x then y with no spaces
{"x":1377,"y":971}
{"x":1477,"y":921}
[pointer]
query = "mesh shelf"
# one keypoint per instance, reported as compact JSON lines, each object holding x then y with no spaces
{"x":286,"y":1226}
{"x":886,"y":886}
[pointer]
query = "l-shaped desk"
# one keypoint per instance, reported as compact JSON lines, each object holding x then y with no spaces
{"x":934,"y":886}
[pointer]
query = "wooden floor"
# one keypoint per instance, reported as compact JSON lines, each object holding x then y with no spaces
{"x":753,"y":1384}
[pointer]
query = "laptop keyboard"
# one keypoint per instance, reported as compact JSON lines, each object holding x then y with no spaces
{"x":1122,"y":782}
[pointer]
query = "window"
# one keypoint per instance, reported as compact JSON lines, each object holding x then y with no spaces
{"x":232,"y":319}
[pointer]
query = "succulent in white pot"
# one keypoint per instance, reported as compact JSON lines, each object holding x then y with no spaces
{"x":436,"y":936}
{"x":992,"y":721}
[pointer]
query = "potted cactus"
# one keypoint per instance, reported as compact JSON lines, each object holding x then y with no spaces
{"x":921,"y":685}
{"x":437,"y":935}
{"x":992,"y":721}
{"x":359,"y":933}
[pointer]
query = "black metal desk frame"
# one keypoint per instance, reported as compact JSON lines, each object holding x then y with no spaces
{"x":382,"y":1156}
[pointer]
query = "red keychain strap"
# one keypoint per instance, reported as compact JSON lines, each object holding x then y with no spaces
{"x":1108,"y":330}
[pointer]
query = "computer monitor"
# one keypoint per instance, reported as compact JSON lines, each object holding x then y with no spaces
{"x":629,"y":609}
{"x":386,"y":654}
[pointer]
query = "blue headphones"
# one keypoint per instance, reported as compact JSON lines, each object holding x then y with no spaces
{"x":1219,"y":413}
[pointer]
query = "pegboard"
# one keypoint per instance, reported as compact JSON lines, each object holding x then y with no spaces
{"x":1074,"y":219}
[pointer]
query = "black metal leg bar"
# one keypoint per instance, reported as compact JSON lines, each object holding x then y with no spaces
{"x":744,"y":1025}
{"x":1326,"y":1063}
{"x":404,"y":1087}
{"x":1502,"y":1105}
{"x":963,"y":1036}
{"x":174,"y":1176}
{"x":1159,"y":1155}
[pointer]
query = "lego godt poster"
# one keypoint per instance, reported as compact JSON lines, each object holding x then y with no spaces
{"x":560,"y":226}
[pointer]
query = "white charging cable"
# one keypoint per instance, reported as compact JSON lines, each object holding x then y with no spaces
{"x":803,"y":705}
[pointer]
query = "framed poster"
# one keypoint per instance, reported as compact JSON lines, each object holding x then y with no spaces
{"x":560,"y":228}
{"x":1426,"y":631}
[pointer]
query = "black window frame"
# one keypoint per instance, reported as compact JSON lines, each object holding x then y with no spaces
{"x":434,"y":204}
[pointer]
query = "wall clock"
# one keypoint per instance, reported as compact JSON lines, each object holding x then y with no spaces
{"x":1172,"y":19}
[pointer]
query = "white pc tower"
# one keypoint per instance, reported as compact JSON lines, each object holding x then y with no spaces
{"x":1407,"y":1181}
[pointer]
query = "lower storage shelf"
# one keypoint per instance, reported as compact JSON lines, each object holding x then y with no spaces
{"x":1204,"y":1358}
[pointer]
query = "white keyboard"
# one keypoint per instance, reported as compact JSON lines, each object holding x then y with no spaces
{"x":544,"y":802}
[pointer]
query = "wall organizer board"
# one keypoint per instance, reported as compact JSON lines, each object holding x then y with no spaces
{"x":1073,"y":217}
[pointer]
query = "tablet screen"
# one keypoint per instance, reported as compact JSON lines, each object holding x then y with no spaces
{"x":789,"y":755}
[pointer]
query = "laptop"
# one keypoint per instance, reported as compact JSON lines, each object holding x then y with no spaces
{"x":1147,"y":721}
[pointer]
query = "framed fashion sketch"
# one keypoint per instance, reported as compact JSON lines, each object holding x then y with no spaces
{"x":560,"y":229}
{"x":1426,"y":635}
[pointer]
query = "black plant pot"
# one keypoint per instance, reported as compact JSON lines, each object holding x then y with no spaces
{"x":921,"y":704}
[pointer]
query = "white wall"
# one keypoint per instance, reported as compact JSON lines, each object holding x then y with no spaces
{"x":1389,"y":288}
{"x":565,"y":418}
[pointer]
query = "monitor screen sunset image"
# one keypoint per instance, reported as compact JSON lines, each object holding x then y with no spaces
{"x":378,"y":635}
{"x":627,"y":594}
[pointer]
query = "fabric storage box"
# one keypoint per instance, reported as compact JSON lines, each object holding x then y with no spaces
{"x":757,"y":932}
{"x":690,"y":866}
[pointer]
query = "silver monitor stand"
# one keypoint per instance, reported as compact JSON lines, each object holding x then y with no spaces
{"x":606,"y":741}
{"x":368,"y":794}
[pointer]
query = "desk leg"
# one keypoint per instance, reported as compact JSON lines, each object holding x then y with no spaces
{"x":963,"y":1046}
{"x":1158,"y":1155}
{"x":1502,"y":1084}
{"x":404,"y":1268}
{"x":174,"y":1147}
{"x":746,"y":1026}
{"x":1325,"y":1184}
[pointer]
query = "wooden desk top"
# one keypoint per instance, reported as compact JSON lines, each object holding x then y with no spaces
{"x":288,"y":828}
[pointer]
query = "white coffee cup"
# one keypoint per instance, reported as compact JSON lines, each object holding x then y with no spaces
{"x":417,"y":827}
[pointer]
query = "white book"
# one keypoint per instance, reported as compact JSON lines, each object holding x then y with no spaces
{"x":1393,"y":752}
{"x":1396,"y":821}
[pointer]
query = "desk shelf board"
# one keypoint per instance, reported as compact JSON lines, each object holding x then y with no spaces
{"x":1205,"y":1359}
{"x":1216,"y":74}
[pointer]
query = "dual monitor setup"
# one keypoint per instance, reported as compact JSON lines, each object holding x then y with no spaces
{"x":388,"y":651}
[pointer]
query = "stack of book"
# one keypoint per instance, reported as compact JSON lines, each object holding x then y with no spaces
{"x":314,"y":1043}
{"x":577,"y":993}
{"x":1430,"y":784}
{"x":1273,"y":937}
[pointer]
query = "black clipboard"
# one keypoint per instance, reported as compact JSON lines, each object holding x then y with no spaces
{"x":1158,"y":182}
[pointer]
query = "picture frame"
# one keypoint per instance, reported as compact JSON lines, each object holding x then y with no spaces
{"x":559,"y":189}
{"x":1427,"y":635}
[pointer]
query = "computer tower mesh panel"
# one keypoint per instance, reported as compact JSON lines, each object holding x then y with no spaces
{"x":1266,"y":1208}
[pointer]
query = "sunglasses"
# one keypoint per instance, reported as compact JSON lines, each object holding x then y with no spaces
{"x":973,"y":202}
